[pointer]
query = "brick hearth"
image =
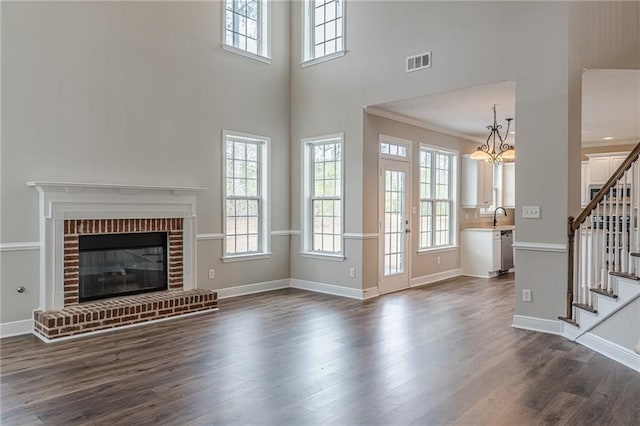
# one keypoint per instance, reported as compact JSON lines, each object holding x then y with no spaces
{"x":116,"y":312}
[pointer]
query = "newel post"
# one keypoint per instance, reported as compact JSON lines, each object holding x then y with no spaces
{"x":571,"y":233}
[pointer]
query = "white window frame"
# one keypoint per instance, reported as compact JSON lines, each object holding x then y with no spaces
{"x":453,"y":209}
{"x":307,"y":210}
{"x":264,"y":215}
{"x":308,"y":29}
{"x":264,"y":33}
{"x":398,"y":142}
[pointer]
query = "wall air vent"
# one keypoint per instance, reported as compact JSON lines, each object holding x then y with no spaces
{"x":418,"y":62}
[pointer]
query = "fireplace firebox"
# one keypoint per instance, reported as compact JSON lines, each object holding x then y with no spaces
{"x":112,"y":265}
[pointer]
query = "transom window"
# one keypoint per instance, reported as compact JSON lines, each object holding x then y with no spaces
{"x":245,"y":192}
{"x":392,"y":147}
{"x":436,"y":198}
{"x":245,"y":26}
{"x":324,"y":28}
{"x":323,"y":227}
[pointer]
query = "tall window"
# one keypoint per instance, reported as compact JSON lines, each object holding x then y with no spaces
{"x":245,"y":26}
{"x":245,"y":193}
{"x":436,"y":198}
{"x":324,"y":28}
{"x":323,"y":166}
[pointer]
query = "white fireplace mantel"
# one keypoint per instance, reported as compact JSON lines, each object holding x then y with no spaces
{"x":59,"y":201}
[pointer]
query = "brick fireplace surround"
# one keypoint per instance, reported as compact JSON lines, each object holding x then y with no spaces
{"x":74,"y":228}
{"x":61,"y":204}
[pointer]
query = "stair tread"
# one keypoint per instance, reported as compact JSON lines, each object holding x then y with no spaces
{"x":569,"y":321}
{"x":625,"y":275}
{"x":585,"y":307}
{"x":604,"y":293}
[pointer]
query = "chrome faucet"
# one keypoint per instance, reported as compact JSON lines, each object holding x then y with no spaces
{"x":495,"y":221}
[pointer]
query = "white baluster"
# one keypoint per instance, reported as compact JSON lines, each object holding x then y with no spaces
{"x":585,"y":267}
{"x":603,"y":233}
{"x":594,"y":236}
{"x":616,"y":231}
{"x":636,"y":187}
{"x":631,"y":237}
{"x":624,"y":254}
{"x":608,"y":232}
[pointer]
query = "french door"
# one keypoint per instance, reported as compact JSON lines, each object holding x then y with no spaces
{"x":394,"y":226}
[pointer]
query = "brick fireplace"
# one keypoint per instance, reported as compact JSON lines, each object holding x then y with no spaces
{"x":73,"y":229}
{"x":69,"y":211}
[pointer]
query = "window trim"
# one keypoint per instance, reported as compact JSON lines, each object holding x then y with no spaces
{"x":453,"y":185}
{"x":264,"y":219}
{"x":307,"y":37}
{"x":306,"y":240}
{"x":264,"y":34}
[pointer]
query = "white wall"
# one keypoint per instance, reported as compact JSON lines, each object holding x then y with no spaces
{"x":133,"y":93}
{"x":623,"y":328}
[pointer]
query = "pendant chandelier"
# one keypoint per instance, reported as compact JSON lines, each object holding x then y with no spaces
{"x":499,"y":149}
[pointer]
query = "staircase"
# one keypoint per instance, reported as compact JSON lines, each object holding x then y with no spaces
{"x":603,"y":280}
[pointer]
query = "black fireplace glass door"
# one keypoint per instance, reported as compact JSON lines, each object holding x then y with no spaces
{"x":122,"y":265}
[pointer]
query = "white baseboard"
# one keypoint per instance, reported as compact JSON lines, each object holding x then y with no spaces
{"x":335,"y":290}
{"x":537,"y":324}
{"x":432,"y":278}
{"x":16,"y":328}
{"x":370,"y":293}
{"x":611,"y":350}
{"x":243,"y":290}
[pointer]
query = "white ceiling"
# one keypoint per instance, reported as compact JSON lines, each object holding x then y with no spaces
{"x":610,"y":105}
{"x":611,"y":108}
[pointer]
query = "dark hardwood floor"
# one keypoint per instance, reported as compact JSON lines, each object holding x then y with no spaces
{"x":441,"y":354}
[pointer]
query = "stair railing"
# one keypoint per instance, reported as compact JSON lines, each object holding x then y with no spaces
{"x":607,"y":235}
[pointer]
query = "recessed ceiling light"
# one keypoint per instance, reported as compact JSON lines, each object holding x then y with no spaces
{"x":608,"y":138}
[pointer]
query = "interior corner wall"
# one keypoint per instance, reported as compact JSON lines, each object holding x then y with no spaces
{"x":134,"y":93}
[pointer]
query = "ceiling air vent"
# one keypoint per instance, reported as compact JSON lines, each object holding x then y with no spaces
{"x":418,"y":62}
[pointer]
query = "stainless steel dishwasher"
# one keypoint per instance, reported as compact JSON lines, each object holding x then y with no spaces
{"x":506,"y":250}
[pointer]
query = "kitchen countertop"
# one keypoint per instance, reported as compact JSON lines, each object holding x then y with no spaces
{"x":491,"y":229}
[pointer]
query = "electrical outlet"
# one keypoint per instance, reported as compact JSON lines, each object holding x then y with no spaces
{"x":352,"y":272}
{"x":438,"y":260}
{"x":212,"y":274}
{"x":526,"y":295}
{"x":531,"y":212}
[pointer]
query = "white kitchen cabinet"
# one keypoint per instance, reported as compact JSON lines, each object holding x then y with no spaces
{"x":509,"y":185}
{"x":584,"y":183}
{"x":602,"y":166}
{"x":616,"y":161}
{"x":481,"y":251}
{"x":477,"y":183}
